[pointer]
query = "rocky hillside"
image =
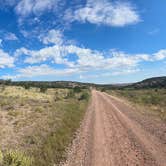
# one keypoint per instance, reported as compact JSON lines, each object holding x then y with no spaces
{"x":155,"y":82}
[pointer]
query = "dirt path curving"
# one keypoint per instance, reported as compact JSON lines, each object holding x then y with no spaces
{"x":111,"y":135}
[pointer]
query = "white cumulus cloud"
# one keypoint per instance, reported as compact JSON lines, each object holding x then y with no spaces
{"x":40,"y":70}
{"x":104,"y":12}
{"x":6,"y":60}
{"x":86,"y":59}
{"x":160,"y":55}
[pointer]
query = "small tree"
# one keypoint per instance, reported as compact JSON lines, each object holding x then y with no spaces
{"x":8,"y":82}
{"x":77,"y":89}
{"x":84,"y":96}
{"x":43,"y":89}
{"x":26,"y":86}
{"x":103,"y":90}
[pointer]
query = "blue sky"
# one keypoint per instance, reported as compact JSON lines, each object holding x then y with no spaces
{"x":100,"y":41}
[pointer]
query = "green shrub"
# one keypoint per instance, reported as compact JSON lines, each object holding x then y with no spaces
{"x":103,"y":90}
{"x":84,"y":96}
{"x":43,"y":89}
{"x":26,"y":86}
{"x":15,"y":158}
{"x":77,"y":89}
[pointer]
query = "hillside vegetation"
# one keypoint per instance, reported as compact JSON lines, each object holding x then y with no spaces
{"x":36,"y":127}
{"x":152,"y":100}
{"x":156,"y":82}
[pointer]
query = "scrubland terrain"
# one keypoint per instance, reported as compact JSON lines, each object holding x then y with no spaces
{"x":71,"y":126}
{"x":151,"y":101}
{"x":36,"y":127}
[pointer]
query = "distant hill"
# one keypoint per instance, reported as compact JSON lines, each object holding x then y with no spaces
{"x":155,"y":82}
{"x":53,"y":84}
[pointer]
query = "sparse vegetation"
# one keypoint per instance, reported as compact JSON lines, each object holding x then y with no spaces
{"x":38,"y":126}
{"x":70,"y":94}
{"x":152,"y":99}
{"x":38,"y":120}
{"x":53,"y":149}
{"x":15,"y":158}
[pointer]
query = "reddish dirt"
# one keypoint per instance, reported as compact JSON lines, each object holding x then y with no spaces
{"x":114,"y":134}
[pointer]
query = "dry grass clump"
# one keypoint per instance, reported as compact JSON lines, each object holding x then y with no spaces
{"x":15,"y":158}
{"x":34,"y":93}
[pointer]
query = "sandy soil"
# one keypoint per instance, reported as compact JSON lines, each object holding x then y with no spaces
{"x":115,"y":134}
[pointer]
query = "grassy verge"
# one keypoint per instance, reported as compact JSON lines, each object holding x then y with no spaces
{"x":53,"y":149}
{"x":153,"y":100}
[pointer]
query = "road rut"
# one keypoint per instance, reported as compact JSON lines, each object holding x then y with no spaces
{"x":111,"y":135}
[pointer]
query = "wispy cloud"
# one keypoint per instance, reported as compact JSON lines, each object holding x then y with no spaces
{"x":154,"y":31}
{"x":100,"y":12}
{"x":10,"y":36}
{"x":120,"y":72}
{"x":28,"y":7}
{"x":40,"y":70}
{"x":1,"y":42}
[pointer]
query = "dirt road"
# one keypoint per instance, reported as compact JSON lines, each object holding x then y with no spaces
{"x":114,"y":134}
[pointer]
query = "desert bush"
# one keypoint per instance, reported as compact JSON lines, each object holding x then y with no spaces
{"x":56,"y":98}
{"x":26,"y":86}
{"x":15,"y":158}
{"x":39,"y":109}
{"x":84,"y":96}
{"x":13,"y":113}
{"x":77,"y":89}
{"x":4,"y":102}
{"x":70,"y":94}
{"x":43,"y":89}
{"x":103,"y":90}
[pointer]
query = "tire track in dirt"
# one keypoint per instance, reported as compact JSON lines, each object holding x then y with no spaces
{"x":108,"y":137}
